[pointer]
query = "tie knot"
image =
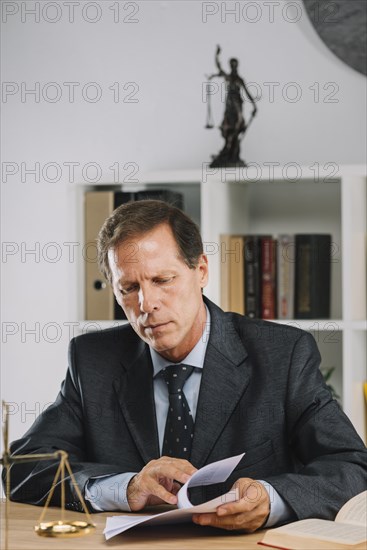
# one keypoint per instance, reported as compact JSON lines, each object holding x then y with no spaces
{"x":175,"y":377}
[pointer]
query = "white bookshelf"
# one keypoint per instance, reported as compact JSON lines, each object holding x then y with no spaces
{"x":239,"y":201}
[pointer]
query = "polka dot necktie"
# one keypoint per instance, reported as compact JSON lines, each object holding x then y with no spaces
{"x":180,"y":424}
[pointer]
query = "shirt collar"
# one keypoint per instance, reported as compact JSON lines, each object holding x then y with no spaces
{"x":196,"y":356}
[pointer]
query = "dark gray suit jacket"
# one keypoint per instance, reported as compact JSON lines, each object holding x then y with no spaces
{"x":261,"y":392}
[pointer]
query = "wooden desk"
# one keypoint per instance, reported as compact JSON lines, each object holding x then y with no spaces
{"x":24,"y":517}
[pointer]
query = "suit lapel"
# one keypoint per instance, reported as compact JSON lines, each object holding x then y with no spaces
{"x":224,"y":380}
{"x":136,"y":398}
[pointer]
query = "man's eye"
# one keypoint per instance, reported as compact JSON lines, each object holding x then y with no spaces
{"x":128,"y":289}
{"x":163,"y":281}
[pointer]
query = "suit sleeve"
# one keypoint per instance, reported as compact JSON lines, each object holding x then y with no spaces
{"x":61,"y":426}
{"x":330,"y":456}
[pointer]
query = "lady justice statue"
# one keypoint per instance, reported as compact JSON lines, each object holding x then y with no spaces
{"x":233,"y":126}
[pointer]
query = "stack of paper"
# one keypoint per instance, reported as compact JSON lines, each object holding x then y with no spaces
{"x":217,"y":472}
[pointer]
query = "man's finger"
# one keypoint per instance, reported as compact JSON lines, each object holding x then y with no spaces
{"x":233,"y":522}
{"x":175,"y":488}
{"x":170,"y":471}
{"x":245,"y":521}
{"x":180,"y":463}
{"x":242,"y":505}
{"x":159,"y":491}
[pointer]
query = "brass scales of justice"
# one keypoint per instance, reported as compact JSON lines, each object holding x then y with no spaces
{"x":61,"y":528}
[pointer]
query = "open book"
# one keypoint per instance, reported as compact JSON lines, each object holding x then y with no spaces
{"x":348,"y":530}
{"x":217,"y":472}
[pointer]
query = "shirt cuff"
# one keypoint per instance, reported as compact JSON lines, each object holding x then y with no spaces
{"x":108,"y":493}
{"x":280,"y":511}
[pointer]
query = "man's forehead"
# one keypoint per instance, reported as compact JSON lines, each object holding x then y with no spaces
{"x":130,"y":250}
{"x":128,"y":257}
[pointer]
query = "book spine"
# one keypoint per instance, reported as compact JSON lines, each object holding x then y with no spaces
{"x":237,"y":277}
{"x":268,"y":278}
{"x":225,"y":265}
{"x":252,"y":276}
{"x":285,"y":276}
{"x":99,"y":299}
{"x":312,"y":288}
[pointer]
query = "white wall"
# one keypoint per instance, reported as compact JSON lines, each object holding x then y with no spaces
{"x":166,"y":53}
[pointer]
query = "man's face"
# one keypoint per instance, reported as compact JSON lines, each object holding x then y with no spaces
{"x":160,"y":295}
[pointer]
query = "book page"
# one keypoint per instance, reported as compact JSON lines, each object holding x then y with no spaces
{"x":326,"y":530}
{"x":354,"y":511}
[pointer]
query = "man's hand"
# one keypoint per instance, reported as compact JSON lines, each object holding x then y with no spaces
{"x":158,"y":482}
{"x":249,"y":513}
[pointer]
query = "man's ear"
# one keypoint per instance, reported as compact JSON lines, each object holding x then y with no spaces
{"x":203,"y":269}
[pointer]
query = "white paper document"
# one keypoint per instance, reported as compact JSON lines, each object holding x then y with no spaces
{"x":217,"y":472}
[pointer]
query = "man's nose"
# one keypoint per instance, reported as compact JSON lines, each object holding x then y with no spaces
{"x":148,"y":299}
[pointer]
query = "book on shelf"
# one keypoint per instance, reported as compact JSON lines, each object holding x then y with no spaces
{"x":348,"y":530}
{"x":287,"y":277}
{"x":100,"y":303}
{"x":225,"y":286}
{"x":268,"y":278}
{"x":236,"y":274}
{"x":232,"y":273}
{"x":312,"y":276}
{"x":252,"y":276}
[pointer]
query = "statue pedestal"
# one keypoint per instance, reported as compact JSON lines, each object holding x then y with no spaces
{"x":222,"y":161}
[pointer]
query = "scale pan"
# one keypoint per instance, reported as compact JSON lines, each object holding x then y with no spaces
{"x":64,"y":529}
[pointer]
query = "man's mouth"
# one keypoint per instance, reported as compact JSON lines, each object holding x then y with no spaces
{"x":155,"y":326}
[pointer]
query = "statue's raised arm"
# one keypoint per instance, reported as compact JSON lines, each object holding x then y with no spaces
{"x":218,"y":65}
{"x":217,"y":62}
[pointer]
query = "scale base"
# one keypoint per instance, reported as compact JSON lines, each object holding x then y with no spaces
{"x":64,"y":529}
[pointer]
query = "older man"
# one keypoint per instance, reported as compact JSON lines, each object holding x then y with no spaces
{"x":185,"y":384}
